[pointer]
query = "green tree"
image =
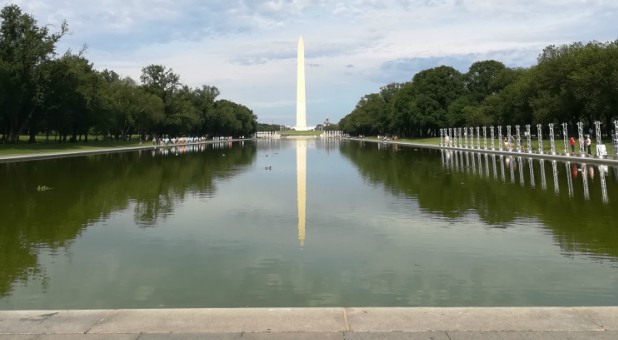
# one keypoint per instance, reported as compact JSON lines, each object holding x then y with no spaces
{"x":456,"y":115}
{"x":513,"y":104}
{"x":553,"y":97}
{"x":130,"y":109}
{"x":182,"y":116}
{"x":360,"y":120}
{"x":373,"y":114}
{"x":402,"y":110}
{"x":164,"y":83}
{"x":595,"y":81}
{"x":161,"y":81}
{"x":422,"y":105}
{"x":24,"y":48}
{"x":61,"y":102}
{"x":234,"y":119}
{"x":204,"y":101}
{"x":268,"y":127}
{"x":71,"y":97}
{"x":482,"y":79}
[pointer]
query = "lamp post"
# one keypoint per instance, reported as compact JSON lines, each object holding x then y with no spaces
{"x":565,"y":135}
{"x":539,"y":133}
{"x":459,"y":142}
{"x":615,"y":141}
{"x":600,"y":146}
{"x":529,"y":138}
{"x":478,"y":137}
{"x":491,"y":130}
{"x":552,"y":142}
{"x":580,"y":131}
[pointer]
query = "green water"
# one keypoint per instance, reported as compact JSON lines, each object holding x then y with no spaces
{"x":380,"y":225}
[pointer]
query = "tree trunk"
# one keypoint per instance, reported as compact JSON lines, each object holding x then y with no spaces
{"x":13,"y":137}
{"x":32,"y":138}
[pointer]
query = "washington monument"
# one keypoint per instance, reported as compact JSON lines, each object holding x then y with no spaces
{"x":301,"y":103}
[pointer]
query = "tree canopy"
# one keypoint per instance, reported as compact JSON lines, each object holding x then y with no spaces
{"x":569,"y":83}
{"x":65,"y":95}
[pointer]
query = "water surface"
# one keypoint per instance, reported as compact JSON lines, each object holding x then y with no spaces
{"x":228,"y":225}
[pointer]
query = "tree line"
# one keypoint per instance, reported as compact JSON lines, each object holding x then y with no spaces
{"x":42,"y":92}
{"x":569,"y":83}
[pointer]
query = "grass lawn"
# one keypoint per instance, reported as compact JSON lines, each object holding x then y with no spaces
{"x":23,"y":148}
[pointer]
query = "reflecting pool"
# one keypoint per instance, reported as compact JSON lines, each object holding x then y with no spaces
{"x":306,"y":222}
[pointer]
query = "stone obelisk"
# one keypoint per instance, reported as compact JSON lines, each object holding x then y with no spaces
{"x":301,"y":103}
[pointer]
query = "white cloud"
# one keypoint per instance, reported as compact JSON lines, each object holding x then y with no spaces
{"x":247,"y":48}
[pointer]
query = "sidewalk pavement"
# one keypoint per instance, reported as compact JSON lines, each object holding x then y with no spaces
{"x":96,"y":151}
{"x":314,"y":323}
{"x":610,"y":160}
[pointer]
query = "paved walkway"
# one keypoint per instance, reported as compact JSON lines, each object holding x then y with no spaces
{"x":609,"y":160}
{"x":314,"y":323}
{"x":76,"y":153}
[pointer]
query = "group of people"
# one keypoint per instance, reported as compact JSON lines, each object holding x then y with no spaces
{"x":188,"y":140}
{"x":507,"y":144}
{"x":586,"y":142}
{"x":179,"y":140}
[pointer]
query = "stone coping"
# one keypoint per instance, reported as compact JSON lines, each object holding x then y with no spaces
{"x":63,"y":154}
{"x":559,"y":157}
{"x":594,"y":320}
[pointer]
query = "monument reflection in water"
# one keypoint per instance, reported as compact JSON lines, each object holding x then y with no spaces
{"x":284,"y":223}
{"x":301,"y":187}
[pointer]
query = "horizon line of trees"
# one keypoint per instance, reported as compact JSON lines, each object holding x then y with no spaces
{"x":65,"y":96}
{"x":569,"y":83}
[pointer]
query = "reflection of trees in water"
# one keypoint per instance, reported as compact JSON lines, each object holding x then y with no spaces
{"x":147,"y":212}
{"x":89,"y":189}
{"x":577,"y":224}
{"x":19,"y":262}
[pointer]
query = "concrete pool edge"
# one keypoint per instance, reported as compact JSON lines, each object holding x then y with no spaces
{"x":610,"y":160}
{"x":102,"y":150}
{"x":545,"y":156}
{"x":334,"y":321}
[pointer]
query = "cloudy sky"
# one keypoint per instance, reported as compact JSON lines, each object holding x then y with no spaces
{"x":247,"y":48}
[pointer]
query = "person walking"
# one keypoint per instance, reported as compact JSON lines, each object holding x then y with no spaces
{"x":572,"y":142}
{"x":588,"y":144}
